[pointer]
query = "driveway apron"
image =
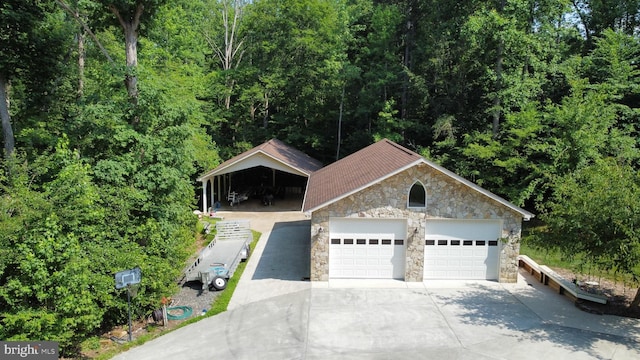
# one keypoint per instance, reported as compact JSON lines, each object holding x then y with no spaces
{"x":276,"y":314}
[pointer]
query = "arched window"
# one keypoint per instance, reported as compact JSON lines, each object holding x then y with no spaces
{"x":417,"y":196}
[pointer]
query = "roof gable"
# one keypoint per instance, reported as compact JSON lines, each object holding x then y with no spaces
{"x":371,"y":165}
{"x":274,"y":154}
{"x":357,"y":171}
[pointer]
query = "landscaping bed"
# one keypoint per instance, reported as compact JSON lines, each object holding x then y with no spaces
{"x":619,"y":295}
{"x":202,"y":302}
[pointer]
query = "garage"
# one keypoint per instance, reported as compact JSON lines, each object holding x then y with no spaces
{"x":367,"y":248}
{"x":462,"y":249}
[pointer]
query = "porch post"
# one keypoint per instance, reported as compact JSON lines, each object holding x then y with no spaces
{"x":224,"y":183}
{"x":219,"y":193}
{"x":204,"y":195}
{"x":213,"y":194}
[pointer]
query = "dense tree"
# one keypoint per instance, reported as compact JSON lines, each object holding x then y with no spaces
{"x":32,"y":50}
{"x":226,"y":42}
{"x":597,"y":16}
{"x":536,"y":100}
{"x":47,"y":290}
{"x":594,"y":212}
{"x":142,"y":172}
{"x":374,"y":53}
{"x":300,"y":98}
{"x":131,"y":16}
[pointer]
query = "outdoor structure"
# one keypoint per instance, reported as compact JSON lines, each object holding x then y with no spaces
{"x":386,"y":212}
{"x":271,"y":169}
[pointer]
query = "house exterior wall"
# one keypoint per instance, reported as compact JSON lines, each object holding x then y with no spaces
{"x":446,"y":199}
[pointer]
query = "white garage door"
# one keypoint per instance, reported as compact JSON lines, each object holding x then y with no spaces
{"x":375,"y":251}
{"x":462,"y":249}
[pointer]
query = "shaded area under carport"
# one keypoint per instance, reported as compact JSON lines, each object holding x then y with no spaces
{"x":258,"y":186}
{"x":270,"y":171}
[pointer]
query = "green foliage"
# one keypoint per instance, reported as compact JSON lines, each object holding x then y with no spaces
{"x":294,"y":102}
{"x":388,"y":125}
{"x":47,"y":291}
{"x":594,"y":212}
{"x":106,"y":184}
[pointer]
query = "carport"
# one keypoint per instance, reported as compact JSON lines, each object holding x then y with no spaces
{"x":272,"y":169}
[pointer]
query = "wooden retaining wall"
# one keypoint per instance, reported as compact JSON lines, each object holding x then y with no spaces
{"x":562,"y":286}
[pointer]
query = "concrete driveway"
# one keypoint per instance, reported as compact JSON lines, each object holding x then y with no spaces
{"x":275,"y":314}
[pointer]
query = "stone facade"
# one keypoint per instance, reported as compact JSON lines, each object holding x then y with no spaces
{"x":446,"y":199}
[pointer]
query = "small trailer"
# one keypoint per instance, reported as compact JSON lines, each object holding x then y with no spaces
{"x":218,"y":261}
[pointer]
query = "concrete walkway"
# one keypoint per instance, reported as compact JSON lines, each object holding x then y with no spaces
{"x":280,"y":263}
{"x":274,"y":314}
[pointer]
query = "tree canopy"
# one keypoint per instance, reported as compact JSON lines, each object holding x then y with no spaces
{"x":111,"y":109}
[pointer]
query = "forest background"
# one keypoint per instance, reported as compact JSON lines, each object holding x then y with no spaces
{"x":111,"y":108}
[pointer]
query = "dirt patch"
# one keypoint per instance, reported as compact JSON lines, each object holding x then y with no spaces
{"x":618,"y":294}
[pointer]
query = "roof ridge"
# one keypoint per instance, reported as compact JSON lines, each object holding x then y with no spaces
{"x":401,"y":148}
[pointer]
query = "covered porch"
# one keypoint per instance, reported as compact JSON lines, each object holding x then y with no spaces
{"x":271,"y":177}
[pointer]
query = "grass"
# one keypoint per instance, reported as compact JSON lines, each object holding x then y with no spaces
{"x":541,"y":255}
{"x":200,"y":229}
{"x":554,"y":258}
{"x":219,"y":305}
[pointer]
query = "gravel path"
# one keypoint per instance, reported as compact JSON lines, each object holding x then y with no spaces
{"x":193,"y":296}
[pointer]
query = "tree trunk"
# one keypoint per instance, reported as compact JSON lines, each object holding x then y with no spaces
{"x":636,"y":300}
{"x":340,"y":124}
{"x":496,"y":100}
{"x":498,"y":87}
{"x":407,"y":60}
{"x":131,"y":78}
{"x":265,"y":115}
{"x":583,"y":19}
{"x":7,"y":130}
{"x":81,"y":60}
{"x":130,"y":28}
{"x":229,"y":85}
{"x":76,"y":15}
{"x":230,"y":54}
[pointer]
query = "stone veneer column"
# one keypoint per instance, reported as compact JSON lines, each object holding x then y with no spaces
{"x":414,"y":248}
{"x":319,"y":249}
{"x":510,"y":251}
